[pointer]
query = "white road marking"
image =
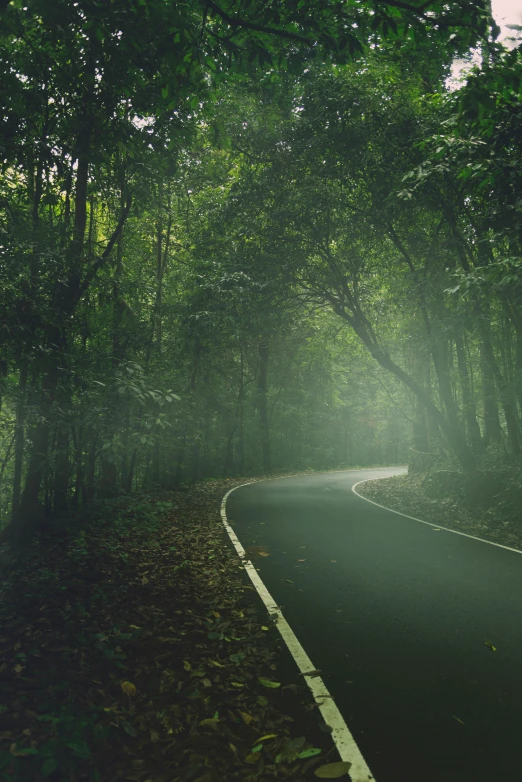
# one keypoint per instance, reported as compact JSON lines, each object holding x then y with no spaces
{"x":342,"y":738}
{"x":437,"y":527}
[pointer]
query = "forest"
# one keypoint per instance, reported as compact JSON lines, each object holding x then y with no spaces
{"x":238,"y":239}
{"x":250,"y":237}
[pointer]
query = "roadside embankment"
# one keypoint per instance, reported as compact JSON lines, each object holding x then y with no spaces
{"x":133,"y":647}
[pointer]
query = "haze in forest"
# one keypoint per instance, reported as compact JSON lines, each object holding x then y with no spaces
{"x":238,"y":245}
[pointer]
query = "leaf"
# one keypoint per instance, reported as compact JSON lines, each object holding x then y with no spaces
{"x":257,"y":748}
{"x":247,"y":718}
{"x":265,"y":628}
{"x":144,"y":580}
{"x":209,"y":723}
{"x":268,"y":683}
{"x":216,"y":614}
{"x":218,"y":665}
{"x":129,"y":730}
{"x":264,"y":554}
{"x":253,"y":757}
{"x":289,"y":581}
{"x":187,"y":666}
{"x":48,"y":766}
{"x":237,"y":684}
{"x":268,"y":736}
{"x":309,"y":753}
{"x":128,"y":688}
{"x":333,"y":770}
{"x":490,"y":646}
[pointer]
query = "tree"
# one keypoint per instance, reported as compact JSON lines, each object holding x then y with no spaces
{"x":102,"y":106}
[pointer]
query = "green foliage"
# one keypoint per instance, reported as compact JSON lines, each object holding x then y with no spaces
{"x":187,"y":189}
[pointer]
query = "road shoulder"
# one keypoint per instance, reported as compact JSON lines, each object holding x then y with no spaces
{"x":410,"y":495}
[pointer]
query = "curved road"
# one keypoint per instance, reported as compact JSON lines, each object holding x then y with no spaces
{"x":397,"y":616}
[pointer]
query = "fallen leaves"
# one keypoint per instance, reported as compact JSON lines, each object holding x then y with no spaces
{"x":128,"y":688}
{"x":414,"y":494}
{"x":309,"y":753}
{"x":268,"y":736}
{"x":268,"y":683}
{"x":164,"y":682}
{"x":333,"y":770}
{"x":247,"y":718}
{"x":259,"y":551}
{"x":490,"y":646}
{"x":209,"y":723}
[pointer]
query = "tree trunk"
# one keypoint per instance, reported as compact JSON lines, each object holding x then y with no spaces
{"x":468,"y":404}
{"x":127,"y":486}
{"x":453,"y":433}
{"x":79,"y":484}
{"x":155,"y":465}
{"x":262,"y":388}
{"x":61,"y":470}
{"x":241,"y":415}
{"x":118,"y":350}
{"x":506,"y":399}
{"x":91,"y":469}
{"x":19,"y":438}
{"x":492,"y":432}
{"x":227,"y":461}
{"x":28,"y":511}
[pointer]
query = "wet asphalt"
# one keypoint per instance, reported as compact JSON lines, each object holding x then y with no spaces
{"x":400,"y":618}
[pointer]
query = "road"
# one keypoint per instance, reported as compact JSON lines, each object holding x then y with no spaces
{"x":397,"y":616}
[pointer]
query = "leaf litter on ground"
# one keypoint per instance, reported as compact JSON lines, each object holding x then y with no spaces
{"x":133,"y":648}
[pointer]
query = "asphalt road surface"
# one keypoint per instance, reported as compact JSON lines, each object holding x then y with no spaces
{"x":398,"y":617}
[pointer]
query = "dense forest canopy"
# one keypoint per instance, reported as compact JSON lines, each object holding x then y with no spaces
{"x":239,"y":237}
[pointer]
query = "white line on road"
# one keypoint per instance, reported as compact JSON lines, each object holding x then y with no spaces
{"x":428,"y":523}
{"x":343,"y":739}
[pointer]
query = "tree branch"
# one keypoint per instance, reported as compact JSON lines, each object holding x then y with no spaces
{"x":101,"y":259}
{"x":237,"y":22}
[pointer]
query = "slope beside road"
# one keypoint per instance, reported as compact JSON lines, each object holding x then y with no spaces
{"x":417,"y":630}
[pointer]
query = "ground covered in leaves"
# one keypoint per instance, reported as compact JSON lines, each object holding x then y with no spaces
{"x":133,"y":647}
{"x":487,"y":505}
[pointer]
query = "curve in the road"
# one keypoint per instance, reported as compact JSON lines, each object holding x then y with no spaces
{"x":341,"y":736}
{"x":429,"y":523}
{"x":402,"y":620}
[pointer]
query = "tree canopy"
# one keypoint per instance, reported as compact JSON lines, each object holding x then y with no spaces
{"x":239,"y":237}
